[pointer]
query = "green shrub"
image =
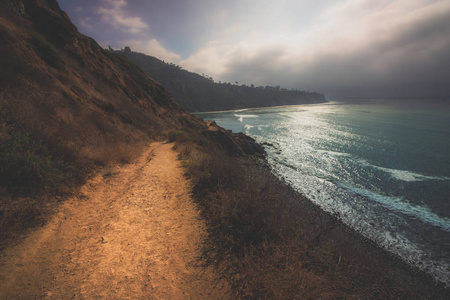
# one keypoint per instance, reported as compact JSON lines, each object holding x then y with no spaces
{"x":186,"y":138}
{"x":26,"y":165}
{"x":176,"y":136}
{"x":47,"y":52}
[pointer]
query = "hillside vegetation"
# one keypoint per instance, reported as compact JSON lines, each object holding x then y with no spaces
{"x":67,"y":108}
{"x":200,"y":93}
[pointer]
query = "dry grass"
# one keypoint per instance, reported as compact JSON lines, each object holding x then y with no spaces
{"x":64,"y":115}
{"x":48,"y":150}
{"x":40,"y":162}
{"x":270,"y":242}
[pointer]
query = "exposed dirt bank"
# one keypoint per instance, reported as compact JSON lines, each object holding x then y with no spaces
{"x":132,"y":232}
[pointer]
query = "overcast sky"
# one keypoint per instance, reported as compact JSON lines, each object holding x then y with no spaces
{"x":343,"y":48}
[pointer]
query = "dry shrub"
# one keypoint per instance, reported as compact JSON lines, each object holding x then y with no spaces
{"x":106,"y":155}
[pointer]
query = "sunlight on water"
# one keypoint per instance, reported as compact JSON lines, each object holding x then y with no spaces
{"x":381,"y":166}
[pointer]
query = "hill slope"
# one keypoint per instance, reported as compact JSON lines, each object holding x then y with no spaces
{"x":67,"y":107}
{"x":197,"y":93}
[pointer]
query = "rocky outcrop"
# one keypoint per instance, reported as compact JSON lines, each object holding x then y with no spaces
{"x":235,"y":144}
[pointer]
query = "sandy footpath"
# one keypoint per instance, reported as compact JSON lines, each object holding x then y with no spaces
{"x":132,"y":233}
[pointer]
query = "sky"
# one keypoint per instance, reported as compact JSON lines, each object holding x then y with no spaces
{"x":343,"y":48}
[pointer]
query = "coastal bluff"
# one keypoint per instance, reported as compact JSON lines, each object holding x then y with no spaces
{"x":197,"y":93}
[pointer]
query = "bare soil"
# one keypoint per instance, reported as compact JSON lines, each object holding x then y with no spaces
{"x":133,"y":232}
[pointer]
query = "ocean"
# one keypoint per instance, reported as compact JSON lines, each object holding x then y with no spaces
{"x":382,"y":166}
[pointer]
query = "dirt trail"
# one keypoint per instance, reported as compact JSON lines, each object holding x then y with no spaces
{"x":132,"y":234}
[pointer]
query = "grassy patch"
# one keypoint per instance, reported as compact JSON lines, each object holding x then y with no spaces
{"x":29,"y":172}
{"x":26,"y":164}
{"x":47,"y":52}
{"x":186,"y":137}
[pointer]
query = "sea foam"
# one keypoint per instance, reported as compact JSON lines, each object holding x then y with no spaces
{"x":401,"y":205}
{"x":402,"y":175}
{"x":408,"y":175}
{"x":241,"y":117}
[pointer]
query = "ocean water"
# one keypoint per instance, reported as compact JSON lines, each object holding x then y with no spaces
{"x":380,"y":165}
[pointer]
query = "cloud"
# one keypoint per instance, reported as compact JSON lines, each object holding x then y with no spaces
{"x":116,"y":16}
{"x":393,"y":47}
{"x":354,"y":47}
{"x":151,"y":47}
{"x":207,"y":60}
{"x":84,"y":23}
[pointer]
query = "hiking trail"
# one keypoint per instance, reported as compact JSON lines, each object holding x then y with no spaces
{"x":131,"y":233}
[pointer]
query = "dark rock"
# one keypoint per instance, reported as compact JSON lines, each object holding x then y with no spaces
{"x":268,"y":144}
{"x":235,"y":144}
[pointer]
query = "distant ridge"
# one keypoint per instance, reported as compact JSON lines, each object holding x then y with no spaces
{"x":197,"y":93}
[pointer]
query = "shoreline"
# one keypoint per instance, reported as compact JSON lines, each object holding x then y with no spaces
{"x":356,"y":236}
{"x":415,"y":260}
{"x":371,"y":247}
{"x":271,"y":241}
{"x":260,"y":107}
